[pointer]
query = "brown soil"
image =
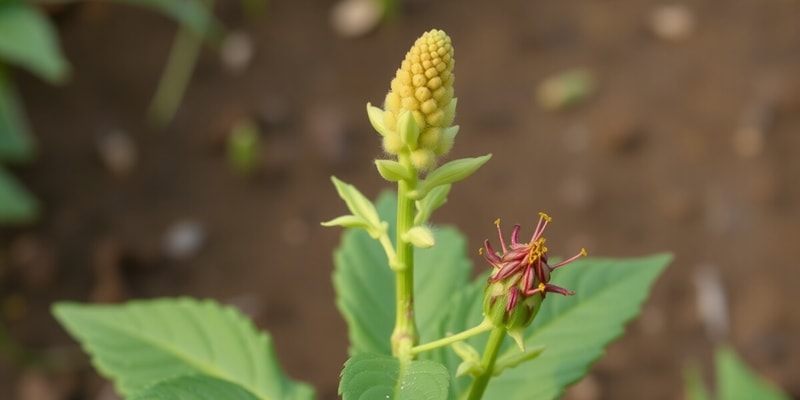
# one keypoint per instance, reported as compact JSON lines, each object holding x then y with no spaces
{"x":646,"y":164}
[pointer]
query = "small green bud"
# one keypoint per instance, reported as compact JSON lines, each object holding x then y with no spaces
{"x":377,"y":119}
{"x":409,"y":130}
{"x":392,"y":171}
{"x":420,"y":236}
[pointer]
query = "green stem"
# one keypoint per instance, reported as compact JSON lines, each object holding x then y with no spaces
{"x":487,"y":363}
{"x":463,"y":335}
{"x":175,"y":78}
{"x":405,"y":334}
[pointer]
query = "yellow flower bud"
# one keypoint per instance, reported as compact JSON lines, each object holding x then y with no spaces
{"x":423,"y":86}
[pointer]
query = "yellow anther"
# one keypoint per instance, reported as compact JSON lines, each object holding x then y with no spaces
{"x":480,"y":251}
{"x":497,"y":222}
{"x":542,"y":287}
{"x":545,"y":217}
{"x":583,"y":252}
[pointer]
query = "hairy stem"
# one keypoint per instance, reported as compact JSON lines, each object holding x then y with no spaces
{"x":405,"y":334}
{"x":487,"y":363}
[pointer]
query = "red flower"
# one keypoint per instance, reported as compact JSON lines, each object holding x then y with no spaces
{"x":521,"y":271}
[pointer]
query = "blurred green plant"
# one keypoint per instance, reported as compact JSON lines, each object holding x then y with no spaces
{"x":734,"y":380}
{"x":28,"y":40}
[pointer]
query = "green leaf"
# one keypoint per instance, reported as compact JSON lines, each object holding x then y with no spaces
{"x":15,"y":137}
{"x":28,"y":39}
{"x":451,"y":172}
{"x":574,"y":329}
{"x":369,"y":376}
{"x":17,"y":206}
{"x":736,"y":382}
{"x":364,"y":284}
{"x":360,"y":206}
{"x":392,"y":170}
{"x":194,"y":387}
{"x":142,"y":342}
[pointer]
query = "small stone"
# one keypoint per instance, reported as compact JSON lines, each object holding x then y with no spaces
{"x":237,"y":52}
{"x":184,"y":239}
{"x":672,"y":22}
{"x":712,"y":302}
{"x":354,"y":18}
{"x":117,"y":152}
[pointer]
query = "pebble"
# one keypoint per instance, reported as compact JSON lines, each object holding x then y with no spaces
{"x":354,"y":18}
{"x":237,"y":52}
{"x":712,"y":302}
{"x":672,"y":22}
{"x":184,"y":239}
{"x":117,"y":151}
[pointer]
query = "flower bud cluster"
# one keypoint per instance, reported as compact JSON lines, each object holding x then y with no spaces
{"x":520,"y":279}
{"x":420,"y":107}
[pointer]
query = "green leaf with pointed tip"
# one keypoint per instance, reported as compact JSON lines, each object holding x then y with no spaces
{"x":194,"y":387}
{"x":574,"y":329}
{"x":368,"y":376}
{"x":16,"y":143}
{"x":451,"y":172}
{"x":140,"y":343}
{"x":364,"y":284}
{"x":28,"y":39}
{"x":737,"y":382}
{"x":359,"y":205}
{"x":17,"y":206}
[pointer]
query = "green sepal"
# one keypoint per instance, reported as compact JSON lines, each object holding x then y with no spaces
{"x":408,"y":129}
{"x":512,"y":360}
{"x":392,"y":170}
{"x":426,"y":206}
{"x":347,"y":221}
{"x":471,"y":364}
{"x":375,"y":115}
{"x":420,"y":236}
{"x":359,"y":205}
{"x":451,"y":172}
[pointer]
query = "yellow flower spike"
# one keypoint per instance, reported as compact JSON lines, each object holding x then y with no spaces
{"x":423,"y":85}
